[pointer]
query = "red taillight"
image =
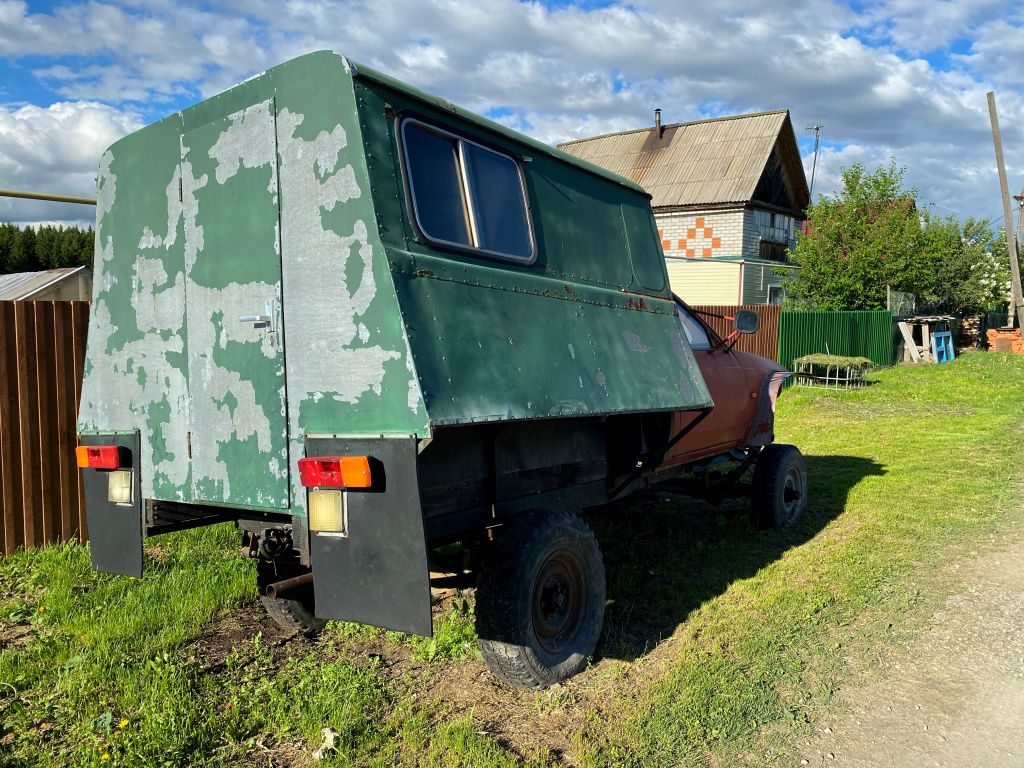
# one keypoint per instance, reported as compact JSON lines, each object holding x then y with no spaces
{"x":98,"y":456}
{"x":335,"y":472}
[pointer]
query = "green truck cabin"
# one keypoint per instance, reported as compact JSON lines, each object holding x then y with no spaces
{"x":322,"y":261}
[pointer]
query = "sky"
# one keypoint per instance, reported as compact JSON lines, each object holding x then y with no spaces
{"x":905,"y":79}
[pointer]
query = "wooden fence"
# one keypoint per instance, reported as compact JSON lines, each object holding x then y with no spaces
{"x":784,"y":336}
{"x":765,"y":342}
{"x":42,"y":351}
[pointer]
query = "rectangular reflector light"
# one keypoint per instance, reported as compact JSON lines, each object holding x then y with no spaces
{"x":326,"y":511}
{"x":119,"y":486}
{"x":98,"y":456}
{"x":335,"y":472}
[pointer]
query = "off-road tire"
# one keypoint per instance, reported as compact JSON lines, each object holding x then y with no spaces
{"x":540,"y":599}
{"x":295,"y":612}
{"x":779,"y":493}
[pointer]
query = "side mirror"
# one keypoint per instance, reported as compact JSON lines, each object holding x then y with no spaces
{"x":746,"y":321}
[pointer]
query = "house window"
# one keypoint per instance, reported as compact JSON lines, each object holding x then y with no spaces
{"x":465,"y":195}
{"x":772,"y":251}
{"x":776,"y":294}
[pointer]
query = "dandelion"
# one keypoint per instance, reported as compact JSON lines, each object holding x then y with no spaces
{"x":42,"y":608}
{"x":105,"y":756}
{"x":122,"y":724}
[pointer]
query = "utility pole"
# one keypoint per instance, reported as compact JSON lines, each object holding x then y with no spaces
{"x":1016,"y":305}
{"x":816,"y":127}
{"x":1020,"y":220}
{"x":47,"y":196}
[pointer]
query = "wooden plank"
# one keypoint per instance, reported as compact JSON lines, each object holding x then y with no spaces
{"x":80,"y":325}
{"x":11,"y":534}
{"x":908,"y":340}
{"x":28,"y":407}
{"x":64,"y":379}
{"x":48,"y":510}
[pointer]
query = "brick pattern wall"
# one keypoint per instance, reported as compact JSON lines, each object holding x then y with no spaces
{"x":701,"y":235}
{"x":723,"y":233}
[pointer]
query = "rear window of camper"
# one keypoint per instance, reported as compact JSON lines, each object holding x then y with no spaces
{"x":465,"y":195}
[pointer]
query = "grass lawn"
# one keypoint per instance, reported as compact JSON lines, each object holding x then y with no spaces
{"x":722,"y":645}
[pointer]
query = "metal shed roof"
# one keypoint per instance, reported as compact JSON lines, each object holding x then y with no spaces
{"x":705,"y":162}
{"x":20,"y":286}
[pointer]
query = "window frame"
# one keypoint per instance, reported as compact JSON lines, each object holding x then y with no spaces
{"x":714,"y":340}
{"x":466,"y":192}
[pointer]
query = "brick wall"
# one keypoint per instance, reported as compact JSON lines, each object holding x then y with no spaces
{"x":723,"y":233}
{"x":701,"y":234}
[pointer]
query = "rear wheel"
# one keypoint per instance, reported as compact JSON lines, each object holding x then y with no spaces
{"x":294,"y":612}
{"x":780,"y":487}
{"x":540,"y":600}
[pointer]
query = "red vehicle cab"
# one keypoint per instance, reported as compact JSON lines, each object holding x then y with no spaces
{"x":740,"y":428}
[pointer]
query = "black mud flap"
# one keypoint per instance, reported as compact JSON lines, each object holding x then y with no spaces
{"x":115,"y":530}
{"x":376,"y":573}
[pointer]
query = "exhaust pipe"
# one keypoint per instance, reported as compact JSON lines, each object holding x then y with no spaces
{"x":281,"y":588}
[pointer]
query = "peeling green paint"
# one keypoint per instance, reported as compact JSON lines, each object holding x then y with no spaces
{"x":283,"y":197}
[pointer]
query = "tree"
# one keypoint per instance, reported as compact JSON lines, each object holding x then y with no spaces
{"x":964,"y":272}
{"x":858,"y":243}
{"x":28,"y":248}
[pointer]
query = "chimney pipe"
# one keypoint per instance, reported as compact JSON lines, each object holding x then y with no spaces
{"x":657,"y":121}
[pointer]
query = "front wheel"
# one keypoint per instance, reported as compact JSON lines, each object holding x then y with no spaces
{"x":540,"y":600}
{"x":780,"y":487}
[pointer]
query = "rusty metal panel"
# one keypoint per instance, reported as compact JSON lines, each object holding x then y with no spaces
{"x":41,"y":347}
{"x":765,"y":342}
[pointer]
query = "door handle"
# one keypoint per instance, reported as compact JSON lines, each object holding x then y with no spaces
{"x":261,"y":321}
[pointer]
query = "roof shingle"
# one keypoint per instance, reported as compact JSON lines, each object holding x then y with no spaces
{"x":700,"y":163}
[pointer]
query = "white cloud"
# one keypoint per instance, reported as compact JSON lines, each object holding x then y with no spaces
{"x":56,"y":149}
{"x":576,"y":71}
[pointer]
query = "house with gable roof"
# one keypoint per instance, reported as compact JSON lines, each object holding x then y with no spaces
{"x":728,"y":196}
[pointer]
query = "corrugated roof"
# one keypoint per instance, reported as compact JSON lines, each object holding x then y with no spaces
{"x":22,"y":285}
{"x":720,"y":160}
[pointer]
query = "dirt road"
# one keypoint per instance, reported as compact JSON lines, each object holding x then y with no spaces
{"x":954,"y":696}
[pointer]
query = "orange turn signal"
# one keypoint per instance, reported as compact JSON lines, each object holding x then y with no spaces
{"x":335,"y":472}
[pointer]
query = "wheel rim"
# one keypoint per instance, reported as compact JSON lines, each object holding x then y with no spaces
{"x":793,"y":494}
{"x":558,"y":601}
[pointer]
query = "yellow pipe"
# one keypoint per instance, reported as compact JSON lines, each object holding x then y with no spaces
{"x":45,"y":196}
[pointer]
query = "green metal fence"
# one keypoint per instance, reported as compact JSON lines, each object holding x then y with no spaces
{"x":861,"y":334}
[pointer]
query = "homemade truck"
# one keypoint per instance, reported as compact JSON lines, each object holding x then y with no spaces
{"x":370,"y":327}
